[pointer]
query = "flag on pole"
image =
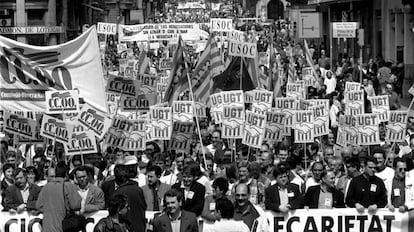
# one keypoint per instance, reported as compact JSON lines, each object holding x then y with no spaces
{"x":208,"y":66}
{"x":177,"y":81}
{"x":259,"y":79}
{"x":310,"y":62}
{"x":291,"y":70}
{"x":143,"y":61}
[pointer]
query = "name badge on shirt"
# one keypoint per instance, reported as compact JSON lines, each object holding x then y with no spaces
{"x":397,"y":192}
{"x":190,"y":195}
{"x":291,"y":194}
{"x":212,"y":206}
{"x":373,"y":188}
{"x":328,"y":202}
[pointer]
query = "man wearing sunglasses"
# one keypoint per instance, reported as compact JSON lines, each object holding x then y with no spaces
{"x":401,"y":196}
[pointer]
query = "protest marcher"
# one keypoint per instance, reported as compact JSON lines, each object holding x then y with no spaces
{"x":154,"y":191}
{"x":325,"y":195}
{"x":92,"y":196}
{"x":175,"y":218}
{"x":245,"y":211}
{"x":22,"y":195}
{"x":386,"y":174}
{"x":193,"y":192}
{"x":52,"y":202}
{"x":109,"y":186}
{"x":116,"y":220}
{"x":225,"y":210}
{"x":282,"y":196}
{"x":367,"y":190}
{"x":294,"y":163}
{"x":401,"y":196}
{"x":220,"y":189}
{"x":135,"y":197}
{"x":8,"y":179}
{"x":167,"y":175}
{"x":352,"y":170}
{"x":317,"y":168}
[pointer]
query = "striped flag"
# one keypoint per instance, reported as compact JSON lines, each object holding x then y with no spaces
{"x":178,"y":80}
{"x":259,"y":79}
{"x":291,"y":70}
{"x":209,"y":65}
{"x":143,"y":62}
{"x":310,"y":61}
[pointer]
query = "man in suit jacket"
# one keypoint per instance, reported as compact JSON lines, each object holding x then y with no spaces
{"x":192,"y":191}
{"x":21,"y":195}
{"x":174,"y":218}
{"x":282,"y":196}
{"x":330,"y":198}
{"x":92,"y":196}
{"x":154,"y":191}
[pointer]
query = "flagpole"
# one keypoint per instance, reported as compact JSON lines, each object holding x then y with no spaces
{"x":241,"y":73}
{"x":196,"y":117}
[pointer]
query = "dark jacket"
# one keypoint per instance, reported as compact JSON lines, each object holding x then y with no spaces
{"x":188,"y":223}
{"x":136,"y":202}
{"x":13,"y":197}
{"x":366,"y":192}
{"x":195,"y":202}
{"x":108,"y":225}
{"x":108,"y":188}
{"x":312,"y":197}
{"x":272,"y":199}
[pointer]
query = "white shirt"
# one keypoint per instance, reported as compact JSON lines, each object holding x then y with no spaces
{"x":83,"y":194}
{"x":228,"y":225}
{"x":386,"y":175}
{"x":311,"y":182}
{"x":330,"y":84}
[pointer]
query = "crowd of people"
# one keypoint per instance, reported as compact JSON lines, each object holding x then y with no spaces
{"x":222,"y":182}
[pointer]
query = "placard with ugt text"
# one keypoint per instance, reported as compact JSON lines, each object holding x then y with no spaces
{"x":242,"y":49}
{"x":262,"y":99}
{"x":307,"y":71}
{"x":121,"y":123}
{"x":368,"y":127}
{"x":216,"y":107}
{"x":161,"y":122}
{"x":254,"y":129}
{"x":380,"y":105}
{"x":221,"y":24}
{"x":64,"y":101}
{"x":94,"y":120}
{"x":303,"y":127}
{"x":288,"y":107}
{"x":200,"y":110}
{"x":352,"y":86}
{"x":136,"y":138}
{"x":119,"y":85}
{"x":354,"y":102}
{"x":396,"y":127}
{"x":55,"y":129}
{"x":321,"y":120}
{"x":182,"y":136}
{"x":147,"y":84}
{"x":20,"y":126}
{"x":81,"y":143}
{"x":295,"y":90}
{"x":233,"y":122}
{"x":183,"y":111}
{"x":349,"y":130}
{"x":275,"y":123}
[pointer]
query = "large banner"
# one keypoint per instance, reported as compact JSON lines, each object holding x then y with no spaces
{"x":27,"y":71}
{"x":296,"y":220}
{"x":159,"y":32}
